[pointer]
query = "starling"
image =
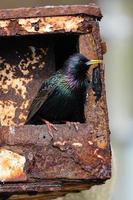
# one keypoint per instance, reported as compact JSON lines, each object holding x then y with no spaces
{"x":61,"y":98}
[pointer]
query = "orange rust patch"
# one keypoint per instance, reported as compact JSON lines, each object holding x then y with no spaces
{"x":14,"y":79}
{"x":7,"y":112}
{"x":45,"y":24}
{"x":11,"y":166}
{"x":51,"y":24}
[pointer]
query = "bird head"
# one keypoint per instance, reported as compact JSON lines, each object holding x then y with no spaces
{"x":78,"y":64}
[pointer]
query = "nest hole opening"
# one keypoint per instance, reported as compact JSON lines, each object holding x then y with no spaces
{"x":25,"y":62}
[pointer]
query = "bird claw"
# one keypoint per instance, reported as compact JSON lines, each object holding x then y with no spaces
{"x":50,"y":126}
{"x":75,"y":124}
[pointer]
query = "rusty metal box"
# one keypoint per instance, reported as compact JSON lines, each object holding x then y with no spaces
{"x":34,"y":42}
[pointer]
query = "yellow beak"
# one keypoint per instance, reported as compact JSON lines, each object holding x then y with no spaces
{"x":93,"y":62}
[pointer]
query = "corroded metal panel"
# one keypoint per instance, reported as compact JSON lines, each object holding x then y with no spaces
{"x":23,"y":67}
{"x":44,"y":25}
{"x":90,"y":9}
{"x":11,"y":166}
{"x":69,"y":154}
{"x":96,"y":111}
{"x":70,"y":161}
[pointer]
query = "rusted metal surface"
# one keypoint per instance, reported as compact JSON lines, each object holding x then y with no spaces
{"x":90,"y":45}
{"x":90,"y":9}
{"x":23,"y":68}
{"x":51,"y":195}
{"x":72,"y":160}
{"x":44,"y":25}
{"x":11,"y":166}
{"x":71,"y":155}
{"x":104,"y":47}
{"x":51,"y":188}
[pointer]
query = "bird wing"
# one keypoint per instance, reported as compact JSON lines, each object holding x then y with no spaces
{"x":42,"y":96}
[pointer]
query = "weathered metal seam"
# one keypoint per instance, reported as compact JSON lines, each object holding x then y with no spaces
{"x":90,"y":10}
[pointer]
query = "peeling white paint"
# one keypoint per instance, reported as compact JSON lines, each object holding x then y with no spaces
{"x":51,"y":24}
{"x":77,"y":144}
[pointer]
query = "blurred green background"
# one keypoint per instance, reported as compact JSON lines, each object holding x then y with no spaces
{"x":117,"y":31}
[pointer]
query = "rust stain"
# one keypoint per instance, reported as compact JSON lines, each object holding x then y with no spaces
{"x":89,"y":9}
{"x":8,"y":107}
{"x":4,"y":23}
{"x":11,"y":84}
{"x":25,"y":64}
{"x":41,"y":25}
{"x":22,"y":118}
{"x":4,"y":27}
{"x":7,"y":112}
{"x":51,"y":24}
{"x":98,"y":155}
{"x":94,"y":111}
{"x":11,"y":166}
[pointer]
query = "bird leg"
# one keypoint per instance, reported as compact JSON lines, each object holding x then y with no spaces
{"x":50,"y":126}
{"x":75,"y":124}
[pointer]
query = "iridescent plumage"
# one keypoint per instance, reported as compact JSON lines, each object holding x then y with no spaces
{"x":62,"y":97}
